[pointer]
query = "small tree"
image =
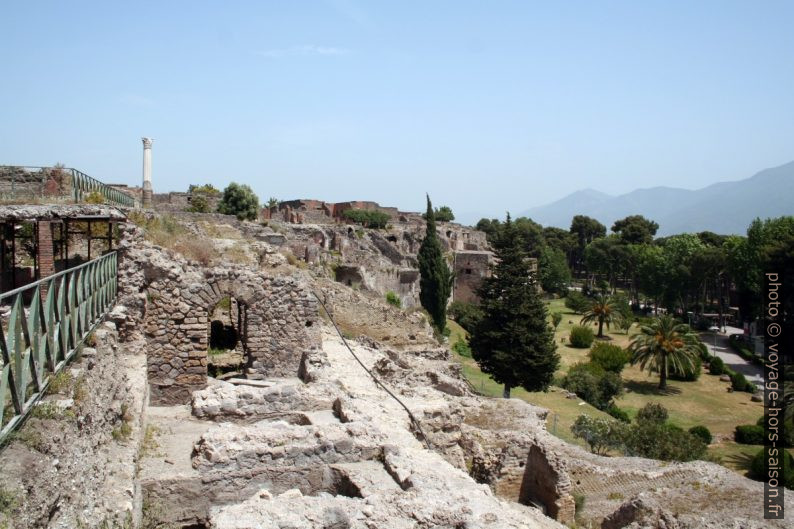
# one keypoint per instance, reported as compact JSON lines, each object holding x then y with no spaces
{"x":600,"y":434}
{"x":652,"y":412}
{"x":198,"y":204}
{"x":435,"y":281}
{"x":662,"y":344}
{"x":272,"y":202}
{"x":513,"y":342}
{"x":603,"y":309}
{"x":444,"y":214}
{"x":610,"y":357}
{"x":240,"y":201}
{"x":556,"y":318}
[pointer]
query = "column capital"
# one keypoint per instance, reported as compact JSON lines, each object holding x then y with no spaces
{"x":147,"y":143}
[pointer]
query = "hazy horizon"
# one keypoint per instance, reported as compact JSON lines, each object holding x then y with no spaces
{"x":488,"y":108}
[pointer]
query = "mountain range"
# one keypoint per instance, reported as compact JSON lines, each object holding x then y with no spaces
{"x":725,"y":207}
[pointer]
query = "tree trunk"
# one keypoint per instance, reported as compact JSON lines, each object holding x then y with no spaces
{"x":663,"y":377}
{"x":600,"y":327}
{"x":506,"y":391}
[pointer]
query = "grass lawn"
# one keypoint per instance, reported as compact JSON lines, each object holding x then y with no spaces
{"x":703,"y":402}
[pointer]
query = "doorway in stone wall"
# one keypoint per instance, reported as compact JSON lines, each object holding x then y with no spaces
{"x":226,"y":350}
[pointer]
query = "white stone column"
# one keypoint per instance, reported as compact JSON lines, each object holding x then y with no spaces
{"x":147,"y":172}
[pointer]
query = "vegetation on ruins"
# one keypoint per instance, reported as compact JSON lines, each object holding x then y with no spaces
{"x":206,"y":189}
{"x":664,"y":344}
{"x":513,"y":341}
{"x":198,"y":204}
{"x":393,"y":299}
{"x":240,"y":201}
{"x":443,"y":214}
{"x":435,"y":277}
{"x":368,"y":218}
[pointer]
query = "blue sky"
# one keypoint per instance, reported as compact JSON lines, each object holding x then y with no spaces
{"x":488,"y":106}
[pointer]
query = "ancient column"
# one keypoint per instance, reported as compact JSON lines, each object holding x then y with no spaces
{"x":147,"y":173}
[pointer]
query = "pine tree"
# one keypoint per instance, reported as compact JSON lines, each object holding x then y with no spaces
{"x":513,"y":341}
{"x":435,"y":281}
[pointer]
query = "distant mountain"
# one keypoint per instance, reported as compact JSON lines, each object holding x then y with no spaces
{"x":725,"y":207}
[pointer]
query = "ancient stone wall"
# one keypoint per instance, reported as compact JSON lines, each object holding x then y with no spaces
{"x":546,"y":481}
{"x":470,"y":268}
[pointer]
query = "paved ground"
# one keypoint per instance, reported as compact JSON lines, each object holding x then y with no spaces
{"x":752,"y":372}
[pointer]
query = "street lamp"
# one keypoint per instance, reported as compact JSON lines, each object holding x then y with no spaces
{"x":714,"y":329}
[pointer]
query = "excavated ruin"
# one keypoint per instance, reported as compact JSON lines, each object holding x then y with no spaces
{"x":305,"y":435}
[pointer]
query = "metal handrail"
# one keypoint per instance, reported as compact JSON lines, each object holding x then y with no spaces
{"x":37,"y":341}
{"x":81,"y":186}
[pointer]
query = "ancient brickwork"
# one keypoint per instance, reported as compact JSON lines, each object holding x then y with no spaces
{"x":546,"y":481}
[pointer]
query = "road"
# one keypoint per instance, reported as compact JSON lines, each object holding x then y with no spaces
{"x":752,"y":372}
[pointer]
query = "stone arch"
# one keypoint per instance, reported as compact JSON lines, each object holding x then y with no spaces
{"x":280,"y":323}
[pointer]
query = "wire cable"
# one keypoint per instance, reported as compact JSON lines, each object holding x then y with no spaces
{"x":411,"y":416}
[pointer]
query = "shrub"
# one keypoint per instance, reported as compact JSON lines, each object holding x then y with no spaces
{"x":556,"y":318}
{"x":581,"y":337}
{"x":367,"y":218}
{"x":577,"y":302}
{"x":466,"y":314}
{"x":462,"y":347}
{"x":688,"y":374}
{"x":740,"y":383}
{"x":702,"y":433}
{"x":599,"y":433}
{"x":593,"y":384}
{"x":240,"y":201}
{"x":788,"y":430}
{"x":618,"y":413}
{"x":95,"y":197}
{"x":749,"y":434}
{"x":610,"y":357}
{"x":666,"y":442}
{"x":758,"y":469}
{"x":393,"y":299}
{"x":206,"y":189}
{"x":704,"y":352}
{"x":716,"y":365}
{"x":198,"y":204}
{"x":652,"y":413}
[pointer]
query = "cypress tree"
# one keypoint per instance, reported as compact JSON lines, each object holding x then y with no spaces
{"x":435,"y":282}
{"x":513,"y":341}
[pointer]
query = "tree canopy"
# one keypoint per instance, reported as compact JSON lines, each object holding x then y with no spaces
{"x":435,"y":277}
{"x":240,"y":201}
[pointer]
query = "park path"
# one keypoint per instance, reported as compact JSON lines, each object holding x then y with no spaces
{"x":752,"y":372}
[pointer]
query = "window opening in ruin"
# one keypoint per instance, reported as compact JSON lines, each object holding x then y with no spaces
{"x":468,"y":270}
{"x":392,"y":238}
{"x":449,"y":234}
{"x":225,"y":356}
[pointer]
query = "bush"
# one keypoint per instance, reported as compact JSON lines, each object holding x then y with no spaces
{"x":581,"y":337}
{"x":599,"y":433}
{"x":618,"y":413}
{"x":367,"y":218}
{"x":556,"y":318}
{"x":749,"y":434}
{"x":704,"y":352}
{"x":758,"y":468}
{"x":611,"y":357}
{"x":240,"y":201}
{"x":740,"y":383}
{"x":206,"y":189}
{"x":95,"y":197}
{"x":702,"y":433}
{"x":393,"y":299}
{"x":663,"y":441}
{"x":716,"y":365}
{"x":788,"y":430}
{"x":593,"y":384}
{"x":688,"y":374}
{"x":462,"y":347}
{"x":466,"y":314}
{"x":652,"y":413}
{"x":577,"y":302}
{"x":198,"y":204}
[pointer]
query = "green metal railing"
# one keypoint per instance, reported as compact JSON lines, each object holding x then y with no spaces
{"x":38,"y":339}
{"x":83,"y":185}
{"x":34,"y":182}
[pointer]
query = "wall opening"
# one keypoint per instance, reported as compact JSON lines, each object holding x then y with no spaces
{"x":226,"y":352}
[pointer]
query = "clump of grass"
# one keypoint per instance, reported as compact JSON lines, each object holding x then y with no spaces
{"x":615,"y":496}
{"x":393,"y":299}
{"x":80,"y":392}
{"x":149,"y":446}
{"x":122,"y":432}
{"x":45,"y":410}
{"x":9,"y":500}
{"x":30,"y":438}
{"x":60,"y":383}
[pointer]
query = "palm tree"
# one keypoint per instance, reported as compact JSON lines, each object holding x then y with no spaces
{"x":662,"y":345}
{"x":604,"y":309}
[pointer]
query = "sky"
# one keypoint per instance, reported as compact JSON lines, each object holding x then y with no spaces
{"x":487,"y":106}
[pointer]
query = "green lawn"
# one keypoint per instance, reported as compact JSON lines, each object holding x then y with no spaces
{"x":705,"y":401}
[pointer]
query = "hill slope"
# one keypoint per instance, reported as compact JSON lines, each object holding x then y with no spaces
{"x":724,"y":207}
